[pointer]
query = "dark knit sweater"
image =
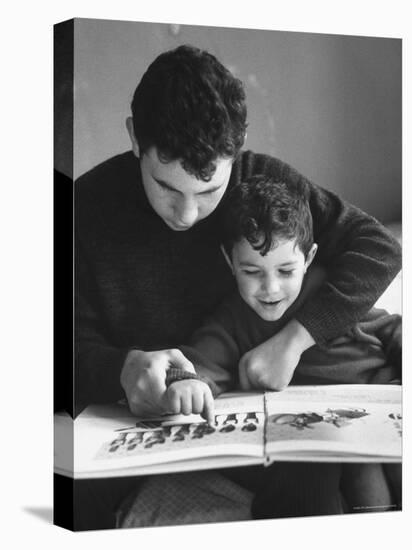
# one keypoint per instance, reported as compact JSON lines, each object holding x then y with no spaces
{"x":368,"y":353}
{"x":140,"y":284}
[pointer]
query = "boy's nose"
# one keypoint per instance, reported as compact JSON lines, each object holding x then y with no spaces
{"x":271,"y":285}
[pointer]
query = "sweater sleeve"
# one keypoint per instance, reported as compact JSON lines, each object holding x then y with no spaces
{"x":388,"y":329}
{"x":98,"y":363}
{"x":214,"y":352}
{"x":360,"y":255}
{"x":391,"y":338}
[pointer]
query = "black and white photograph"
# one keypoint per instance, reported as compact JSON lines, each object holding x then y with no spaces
{"x":205,"y":264}
{"x":237,"y":234}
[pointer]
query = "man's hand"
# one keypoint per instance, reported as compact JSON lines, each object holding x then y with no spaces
{"x":192,"y":397}
{"x":143,"y":379}
{"x":272,"y":364}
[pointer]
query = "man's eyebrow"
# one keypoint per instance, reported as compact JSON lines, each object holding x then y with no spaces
{"x":211,"y":190}
{"x":171,"y":188}
{"x":164,"y":184}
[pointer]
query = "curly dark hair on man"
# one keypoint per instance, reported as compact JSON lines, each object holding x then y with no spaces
{"x":265,"y":212}
{"x":191,"y":108}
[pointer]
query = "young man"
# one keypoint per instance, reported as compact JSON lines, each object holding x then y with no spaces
{"x":148,"y":224}
{"x":269,"y":246}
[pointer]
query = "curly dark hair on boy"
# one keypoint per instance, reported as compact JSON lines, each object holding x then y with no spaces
{"x":191,"y":108}
{"x":266,"y":212}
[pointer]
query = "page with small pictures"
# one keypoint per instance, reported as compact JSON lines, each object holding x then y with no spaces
{"x":109,"y":441}
{"x":335,"y":423}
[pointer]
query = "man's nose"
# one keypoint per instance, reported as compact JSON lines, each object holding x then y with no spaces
{"x":187,"y":212}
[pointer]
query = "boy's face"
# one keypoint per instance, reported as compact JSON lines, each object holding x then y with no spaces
{"x":179,"y":198}
{"x":270,"y":284}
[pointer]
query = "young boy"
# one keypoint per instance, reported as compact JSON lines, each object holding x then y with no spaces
{"x":268,"y":243}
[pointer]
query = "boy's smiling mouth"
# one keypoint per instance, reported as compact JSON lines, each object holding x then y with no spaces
{"x":269,"y":303}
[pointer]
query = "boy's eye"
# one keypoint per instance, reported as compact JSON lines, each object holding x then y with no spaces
{"x":286,"y":272}
{"x":249,"y":272}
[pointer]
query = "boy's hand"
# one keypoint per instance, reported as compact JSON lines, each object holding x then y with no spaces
{"x":143,"y":379}
{"x":191,"y":397}
{"x":272,"y":364}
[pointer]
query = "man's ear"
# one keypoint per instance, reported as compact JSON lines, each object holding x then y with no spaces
{"x":225,"y":254}
{"x":130,"y":130}
{"x":311,"y":255}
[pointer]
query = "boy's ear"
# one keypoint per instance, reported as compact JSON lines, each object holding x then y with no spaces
{"x":225,"y":254}
{"x":130,"y":130}
{"x":311,"y":255}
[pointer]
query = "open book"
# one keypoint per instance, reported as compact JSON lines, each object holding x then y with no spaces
{"x":302,"y":423}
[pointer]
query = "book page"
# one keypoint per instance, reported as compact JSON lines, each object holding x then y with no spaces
{"x":108,"y":438}
{"x":367,"y":393}
{"x":335,"y":423}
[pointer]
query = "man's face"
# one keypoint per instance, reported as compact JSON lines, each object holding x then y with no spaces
{"x":269,"y":284}
{"x":179,"y":198}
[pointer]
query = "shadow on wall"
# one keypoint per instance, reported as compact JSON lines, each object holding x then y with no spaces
{"x":43,"y":513}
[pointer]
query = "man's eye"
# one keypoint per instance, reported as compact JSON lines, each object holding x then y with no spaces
{"x":165,"y":187}
{"x":251,"y":273}
{"x":286,"y":273}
